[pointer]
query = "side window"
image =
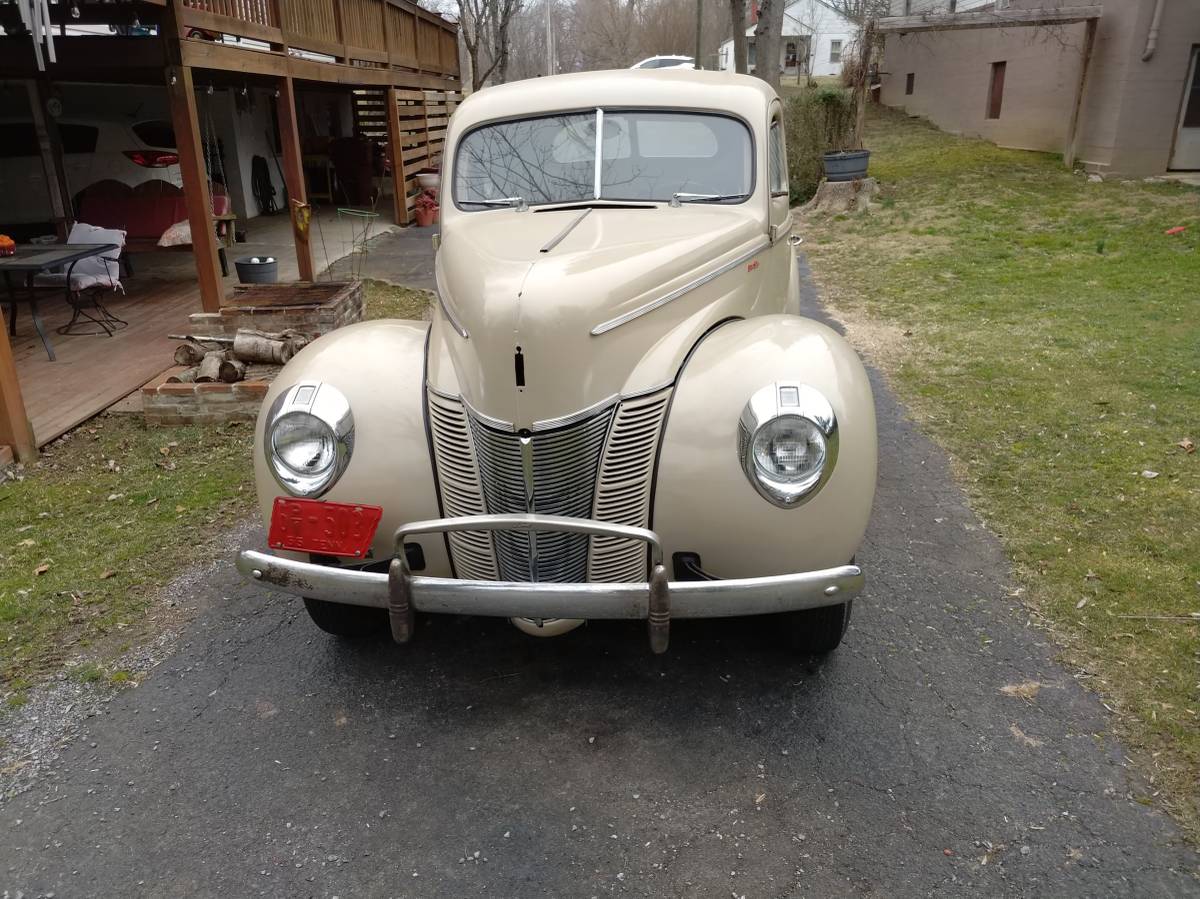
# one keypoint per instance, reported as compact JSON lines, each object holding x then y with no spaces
{"x":156,"y":133}
{"x":78,"y":138}
{"x":835,"y":51}
{"x":778,"y":161}
{"x":17,"y":139}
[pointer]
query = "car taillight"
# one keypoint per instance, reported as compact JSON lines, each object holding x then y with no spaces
{"x":152,"y":159}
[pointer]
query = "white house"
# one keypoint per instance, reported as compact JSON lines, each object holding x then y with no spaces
{"x":815,"y":38}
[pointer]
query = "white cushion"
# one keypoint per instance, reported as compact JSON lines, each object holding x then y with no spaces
{"x":106,"y":268}
{"x":79,"y":282}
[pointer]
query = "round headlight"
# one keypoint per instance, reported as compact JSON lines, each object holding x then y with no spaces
{"x":303,"y":444}
{"x":789,"y":448}
{"x":787,"y":440}
{"x":309,"y":437}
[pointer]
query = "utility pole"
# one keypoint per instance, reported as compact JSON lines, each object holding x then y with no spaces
{"x":699,"y":29}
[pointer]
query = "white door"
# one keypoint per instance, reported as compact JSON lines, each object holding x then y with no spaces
{"x":1187,"y":141}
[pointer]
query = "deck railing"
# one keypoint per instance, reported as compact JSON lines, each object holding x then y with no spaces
{"x":359,"y":32}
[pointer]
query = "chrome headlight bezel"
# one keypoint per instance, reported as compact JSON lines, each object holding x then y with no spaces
{"x":330,"y":409}
{"x":783,"y":399}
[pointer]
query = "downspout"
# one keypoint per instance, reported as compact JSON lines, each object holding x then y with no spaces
{"x":1152,"y":34}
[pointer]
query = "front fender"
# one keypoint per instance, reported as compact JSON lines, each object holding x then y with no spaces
{"x":379,"y":366}
{"x":703,"y":502}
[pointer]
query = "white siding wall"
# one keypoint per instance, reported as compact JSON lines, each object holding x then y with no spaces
{"x":807,"y":17}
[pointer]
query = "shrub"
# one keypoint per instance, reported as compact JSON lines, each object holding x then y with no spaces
{"x":818,"y":120}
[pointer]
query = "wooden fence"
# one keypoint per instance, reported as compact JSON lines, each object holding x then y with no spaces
{"x":422,"y":116}
{"x":383,"y":33}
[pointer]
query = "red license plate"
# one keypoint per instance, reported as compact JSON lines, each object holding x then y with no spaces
{"x":316,"y":526}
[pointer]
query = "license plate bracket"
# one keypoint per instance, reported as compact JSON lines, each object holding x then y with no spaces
{"x":318,"y":526}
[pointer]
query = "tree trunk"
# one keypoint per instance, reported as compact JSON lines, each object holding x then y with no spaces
{"x":737,"y":14}
{"x":860,"y":82}
{"x":767,"y":36}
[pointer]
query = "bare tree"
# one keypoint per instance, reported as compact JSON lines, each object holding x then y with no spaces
{"x":767,"y":35}
{"x":737,"y":14}
{"x":484,"y":26}
{"x":859,"y":11}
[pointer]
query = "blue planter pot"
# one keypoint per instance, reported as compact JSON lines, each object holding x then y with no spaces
{"x":847,"y":166}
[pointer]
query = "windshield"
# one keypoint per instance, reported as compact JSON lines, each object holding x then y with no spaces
{"x":646,"y":156}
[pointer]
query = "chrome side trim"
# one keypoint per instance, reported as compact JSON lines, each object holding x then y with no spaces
{"x":548,"y":424}
{"x":605,"y":327}
{"x":458,"y":327}
{"x":508,"y":599}
{"x":497,"y":424}
{"x":558,"y":238}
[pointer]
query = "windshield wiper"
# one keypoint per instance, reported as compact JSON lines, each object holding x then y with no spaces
{"x":516,"y":202}
{"x":679,"y":198}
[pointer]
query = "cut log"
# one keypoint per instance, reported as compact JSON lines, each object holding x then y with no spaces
{"x":261,"y":346}
{"x":210,"y":367}
{"x":232,"y":370}
{"x":187,"y":376}
{"x":189,"y":353}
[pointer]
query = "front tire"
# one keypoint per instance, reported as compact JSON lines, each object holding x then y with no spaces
{"x":814,"y":632}
{"x":341,"y":620}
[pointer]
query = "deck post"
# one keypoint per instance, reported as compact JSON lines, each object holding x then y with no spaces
{"x":182,"y":96}
{"x":293,"y":175}
{"x":50,"y":147}
{"x":396,"y":154}
{"x":15,"y":430}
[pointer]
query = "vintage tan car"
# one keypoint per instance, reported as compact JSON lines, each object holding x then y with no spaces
{"x":616,"y":411}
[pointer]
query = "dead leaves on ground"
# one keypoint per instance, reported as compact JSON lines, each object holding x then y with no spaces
{"x":1026,"y":690}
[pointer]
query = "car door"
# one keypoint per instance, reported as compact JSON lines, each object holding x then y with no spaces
{"x":780,"y":257}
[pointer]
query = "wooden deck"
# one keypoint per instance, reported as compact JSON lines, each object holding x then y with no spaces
{"x":92,"y":373}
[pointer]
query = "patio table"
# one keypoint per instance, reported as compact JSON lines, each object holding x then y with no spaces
{"x":33,"y":259}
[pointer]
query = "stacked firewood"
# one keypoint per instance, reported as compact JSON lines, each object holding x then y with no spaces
{"x":226,"y":358}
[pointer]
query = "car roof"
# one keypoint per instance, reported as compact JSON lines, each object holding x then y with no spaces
{"x":742,"y":95}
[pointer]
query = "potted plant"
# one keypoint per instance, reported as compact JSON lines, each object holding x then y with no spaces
{"x":845,"y":159}
{"x":426,"y":208}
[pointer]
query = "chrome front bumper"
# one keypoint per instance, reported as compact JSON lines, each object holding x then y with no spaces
{"x":656,"y":600}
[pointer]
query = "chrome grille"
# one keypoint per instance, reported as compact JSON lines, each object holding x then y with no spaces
{"x":563,"y":465}
{"x":458,"y":479}
{"x":623,"y":491}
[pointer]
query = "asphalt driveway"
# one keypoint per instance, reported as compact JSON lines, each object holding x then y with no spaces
{"x":264,"y":758}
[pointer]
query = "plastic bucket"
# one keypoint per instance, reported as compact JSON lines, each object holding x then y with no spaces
{"x":257,"y":269}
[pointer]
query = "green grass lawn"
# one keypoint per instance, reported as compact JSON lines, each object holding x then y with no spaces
{"x":107,"y":516}
{"x":1046,"y":331}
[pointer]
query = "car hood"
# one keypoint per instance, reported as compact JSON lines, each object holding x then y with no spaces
{"x":539,"y":283}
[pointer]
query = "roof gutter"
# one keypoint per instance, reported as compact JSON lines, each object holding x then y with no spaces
{"x":1152,"y":34}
